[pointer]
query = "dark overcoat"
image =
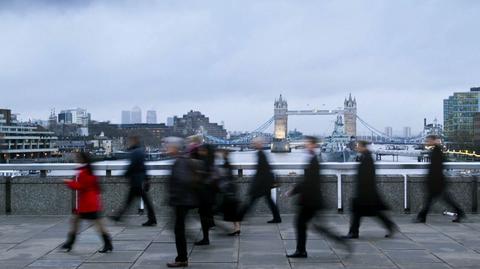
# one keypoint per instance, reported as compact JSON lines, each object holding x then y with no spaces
{"x":436,"y":182}
{"x":264,"y":179}
{"x":367,"y":200}
{"x":309,"y":190}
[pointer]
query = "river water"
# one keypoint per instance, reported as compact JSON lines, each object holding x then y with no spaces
{"x":296,"y":156}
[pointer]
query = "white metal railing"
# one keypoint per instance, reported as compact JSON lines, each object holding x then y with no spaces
{"x":343,"y":167}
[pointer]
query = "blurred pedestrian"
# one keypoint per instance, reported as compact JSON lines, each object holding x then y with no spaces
{"x":310,"y":201}
{"x":89,"y":203}
{"x":262,"y":183}
{"x":182,"y":195}
{"x":138,"y":181}
{"x":367,"y":201}
{"x":229,"y":203}
{"x":206,"y":192}
{"x":436,"y":184}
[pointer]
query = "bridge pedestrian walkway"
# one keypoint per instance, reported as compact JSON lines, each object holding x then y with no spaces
{"x":33,"y":242}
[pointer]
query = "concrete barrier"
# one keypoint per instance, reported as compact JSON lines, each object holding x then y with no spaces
{"x":49,"y":196}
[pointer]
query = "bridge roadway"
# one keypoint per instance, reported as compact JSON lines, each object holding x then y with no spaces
{"x":33,"y":242}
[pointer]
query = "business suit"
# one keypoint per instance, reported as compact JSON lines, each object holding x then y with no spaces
{"x":436,"y":186}
{"x":261,"y":185}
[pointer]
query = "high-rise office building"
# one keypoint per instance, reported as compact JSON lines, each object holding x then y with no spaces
{"x":151,"y":117}
{"x":126,"y":117}
{"x":5,"y":116}
{"x":458,"y":116}
{"x":170,"y":121}
{"x":78,"y":116}
{"x":476,"y":129}
{"x":407,"y":132}
{"x":389,"y":131}
{"x":136,"y":116}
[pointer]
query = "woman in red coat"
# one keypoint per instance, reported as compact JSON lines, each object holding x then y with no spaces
{"x":89,"y":205}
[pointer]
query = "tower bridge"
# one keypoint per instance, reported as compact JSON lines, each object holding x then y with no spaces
{"x":280,"y":142}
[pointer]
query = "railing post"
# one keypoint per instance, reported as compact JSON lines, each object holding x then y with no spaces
{"x":406,"y":207}
{"x":43,"y":173}
{"x":339,"y":192}
{"x":8,"y":195}
{"x":108,"y":173}
{"x":141,"y":207}
{"x":475,"y":194}
{"x":240,"y":172}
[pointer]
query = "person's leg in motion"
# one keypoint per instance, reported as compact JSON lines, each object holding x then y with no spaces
{"x":422,"y":215}
{"x":152,"y":219}
{"x":354,"y":225}
{"x":388,"y":223}
{"x":303,"y":217}
{"x":72,"y":234}
{"x":132,"y":194}
{"x":205,"y":223}
{"x":274,"y":208}
{"x":180,"y":241}
{"x":107,"y":241}
{"x":246,"y":207}
{"x":449,"y":200}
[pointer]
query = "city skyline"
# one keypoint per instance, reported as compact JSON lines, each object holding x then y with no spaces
{"x":231,"y":61}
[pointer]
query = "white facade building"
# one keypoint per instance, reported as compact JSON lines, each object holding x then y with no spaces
{"x":78,"y":116}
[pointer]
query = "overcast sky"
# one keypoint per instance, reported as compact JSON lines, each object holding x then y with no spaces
{"x":231,"y":59}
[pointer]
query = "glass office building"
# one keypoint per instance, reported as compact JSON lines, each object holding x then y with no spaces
{"x":458,"y":116}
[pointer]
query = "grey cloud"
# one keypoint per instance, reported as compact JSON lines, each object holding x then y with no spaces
{"x":215,"y":55}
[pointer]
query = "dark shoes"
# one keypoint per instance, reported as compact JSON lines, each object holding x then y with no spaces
{"x":459,"y":217}
{"x":149,"y":224}
{"x":392,"y":232}
{"x":234,"y":233}
{"x":298,"y":254}
{"x":350,"y":236}
{"x":203,"y":242}
{"x":67,"y":246}
{"x":419,"y":220}
{"x":177,"y":264}
{"x":107,"y":247}
{"x":275,"y":221}
{"x":114,"y":218}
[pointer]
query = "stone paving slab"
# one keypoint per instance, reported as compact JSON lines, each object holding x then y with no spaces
{"x":33,"y":242}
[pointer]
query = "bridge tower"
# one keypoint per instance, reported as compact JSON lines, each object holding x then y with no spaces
{"x":350,"y":116}
{"x":280,"y":143}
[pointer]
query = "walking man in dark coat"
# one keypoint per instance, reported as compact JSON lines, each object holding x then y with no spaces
{"x":262,"y":184}
{"x":309,"y":201}
{"x":139,"y":182}
{"x":436,"y":184}
{"x":181,"y":185}
{"x":367,"y":201}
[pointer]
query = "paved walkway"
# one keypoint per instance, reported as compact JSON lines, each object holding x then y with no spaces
{"x":33,"y":242}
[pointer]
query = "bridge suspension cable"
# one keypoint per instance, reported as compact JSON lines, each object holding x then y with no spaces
{"x":244,"y":139}
{"x":384,"y":135}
